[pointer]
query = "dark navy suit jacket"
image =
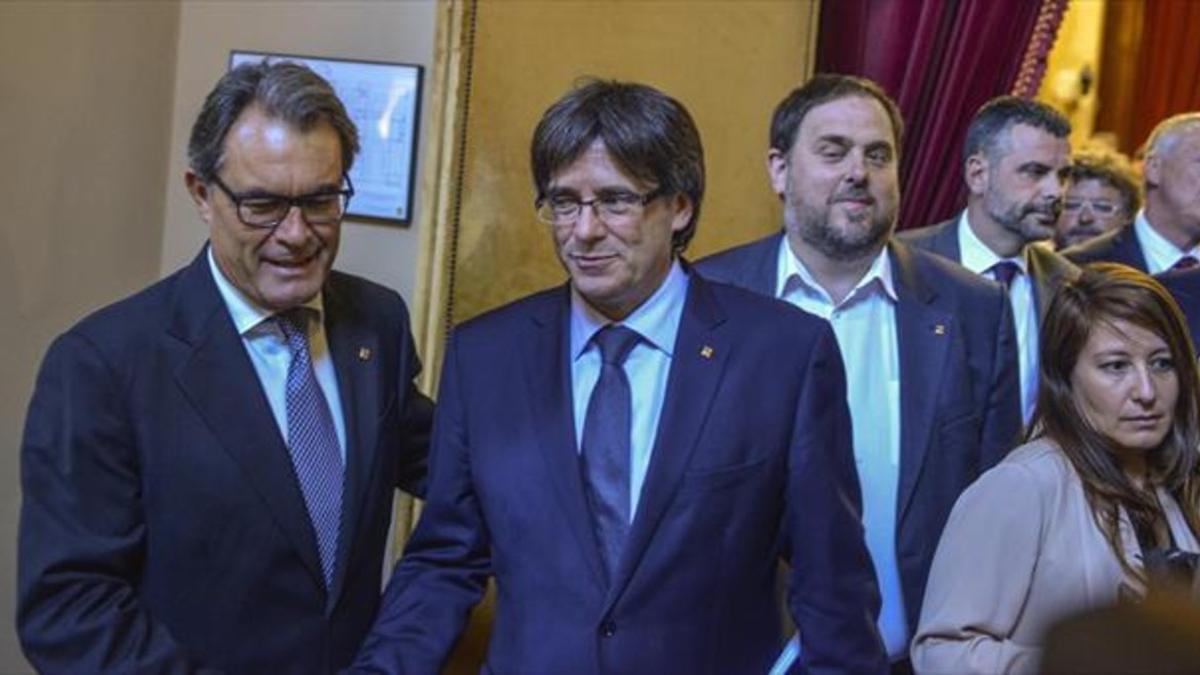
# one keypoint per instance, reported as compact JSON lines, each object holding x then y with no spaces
{"x":1047,"y":269}
{"x":1119,"y":246}
{"x":959,"y":402}
{"x":1185,"y":287}
{"x":162,"y":527}
{"x":754,"y":439}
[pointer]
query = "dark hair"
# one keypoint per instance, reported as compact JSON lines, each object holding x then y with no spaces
{"x":284,"y":90}
{"x":1112,"y":169}
{"x":1002,"y":113}
{"x":650,"y":136}
{"x":1104,"y":293}
{"x":823,"y":88}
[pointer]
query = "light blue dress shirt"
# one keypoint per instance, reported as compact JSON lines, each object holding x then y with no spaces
{"x":269,"y":352}
{"x":977,"y":257}
{"x":864,"y":323}
{"x":647,"y":366}
{"x":1160,"y":254}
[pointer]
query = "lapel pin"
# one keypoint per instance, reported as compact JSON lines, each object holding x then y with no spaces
{"x":364,"y":353}
{"x":939,"y":329}
{"x":706,"y":352}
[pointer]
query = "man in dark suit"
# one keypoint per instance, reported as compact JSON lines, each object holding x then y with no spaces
{"x":208,"y":466}
{"x":1165,"y":235}
{"x":1102,"y":196}
{"x":1016,"y":160}
{"x":623,"y":453}
{"x":1185,"y":288}
{"x":929,"y":348}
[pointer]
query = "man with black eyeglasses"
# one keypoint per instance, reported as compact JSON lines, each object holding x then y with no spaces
{"x":1102,"y":196}
{"x":622,"y":452}
{"x":208,"y":466}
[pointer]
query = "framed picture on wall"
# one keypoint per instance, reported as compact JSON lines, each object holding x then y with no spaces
{"x":384,"y":100}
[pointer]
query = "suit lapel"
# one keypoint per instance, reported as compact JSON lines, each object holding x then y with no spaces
{"x":761,"y":270}
{"x":219,"y":380}
{"x":546,"y":360}
{"x":923,"y":336}
{"x":697,"y":365}
{"x":359,"y":388}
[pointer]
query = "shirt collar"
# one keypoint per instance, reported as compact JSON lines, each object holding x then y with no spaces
{"x":976,"y":256}
{"x":246,"y":314}
{"x":793,"y":273}
{"x":656,"y":320}
{"x":1160,"y":253}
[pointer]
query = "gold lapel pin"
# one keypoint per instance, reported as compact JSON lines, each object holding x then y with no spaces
{"x":939,"y":329}
{"x":706,"y":352}
{"x":364,"y":353}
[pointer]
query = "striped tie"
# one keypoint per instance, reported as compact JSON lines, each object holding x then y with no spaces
{"x":312,"y":440}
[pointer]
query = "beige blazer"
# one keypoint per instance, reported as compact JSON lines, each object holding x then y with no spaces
{"x":1020,"y":552}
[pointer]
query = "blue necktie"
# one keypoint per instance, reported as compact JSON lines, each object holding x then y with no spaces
{"x":312,"y":441}
{"x":606,"y":445}
{"x":1004,"y":272}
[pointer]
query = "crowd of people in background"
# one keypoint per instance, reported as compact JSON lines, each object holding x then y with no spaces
{"x":954,"y":438}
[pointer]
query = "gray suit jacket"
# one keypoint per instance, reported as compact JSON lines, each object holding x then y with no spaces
{"x":959,"y":402}
{"x":1047,"y":268}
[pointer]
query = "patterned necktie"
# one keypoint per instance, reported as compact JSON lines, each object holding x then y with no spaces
{"x":1187,"y":262}
{"x":606,"y":445}
{"x":1004,"y":272}
{"x":312,"y":441}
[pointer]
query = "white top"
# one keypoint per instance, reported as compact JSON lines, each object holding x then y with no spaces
{"x":977,"y":257}
{"x":865,"y":325}
{"x":269,"y":352}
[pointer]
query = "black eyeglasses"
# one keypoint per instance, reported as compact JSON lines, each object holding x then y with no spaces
{"x":257,"y":209}
{"x":617,"y":207}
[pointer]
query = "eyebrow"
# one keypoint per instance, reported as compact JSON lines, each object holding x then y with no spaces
{"x":260,"y":193}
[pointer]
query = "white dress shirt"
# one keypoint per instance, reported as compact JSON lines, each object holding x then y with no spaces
{"x":271,"y":356}
{"x":865,"y":325}
{"x":649,"y":362}
{"x":1161,"y":255}
{"x":977,"y":257}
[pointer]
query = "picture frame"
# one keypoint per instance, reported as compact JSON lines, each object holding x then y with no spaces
{"x":384,"y":100}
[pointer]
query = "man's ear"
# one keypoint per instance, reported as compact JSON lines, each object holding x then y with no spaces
{"x":683,"y":207}
{"x":777,"y":170}
{"x":200,"y":193}
{"x":976,"y":174}
{"x":1152,"y":170}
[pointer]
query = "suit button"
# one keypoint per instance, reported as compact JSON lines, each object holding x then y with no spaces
{"x":608,"y":629}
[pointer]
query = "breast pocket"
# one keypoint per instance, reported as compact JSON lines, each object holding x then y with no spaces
{"x":708,"y":479}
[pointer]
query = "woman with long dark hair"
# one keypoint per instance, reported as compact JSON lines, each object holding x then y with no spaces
{"x":1102,"y":499}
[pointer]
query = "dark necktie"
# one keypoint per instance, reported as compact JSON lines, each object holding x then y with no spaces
{"x":312,"y":441}
{"x":606,"y":445}
{"x":1004,"y":272}
{"x":1187,"y":262}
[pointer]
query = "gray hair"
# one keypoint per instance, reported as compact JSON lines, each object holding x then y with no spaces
{"x":1166,"y":134}
{"x":284,"y":90}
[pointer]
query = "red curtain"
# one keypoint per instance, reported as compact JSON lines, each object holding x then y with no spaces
{"x":940,"y":60}
{"x":1168,"y":75}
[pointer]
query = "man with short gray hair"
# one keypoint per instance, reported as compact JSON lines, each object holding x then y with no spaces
{"x":1165,"y":235}
{"x":208,"y":466}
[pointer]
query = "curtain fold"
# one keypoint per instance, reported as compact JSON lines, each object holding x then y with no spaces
{"x":1168,"y":76}
{"x":940,"y":60}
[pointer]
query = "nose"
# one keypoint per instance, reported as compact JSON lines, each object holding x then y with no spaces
{"x":1085,"y":213}
{"x":856,"y":168}
{"x":292,"y":230}
{"x":1145,"y":388}
{"x":588,"y":226}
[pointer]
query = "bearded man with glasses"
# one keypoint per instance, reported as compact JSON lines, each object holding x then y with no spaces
{"x":632,"y":453}
{"x":208,"y":466}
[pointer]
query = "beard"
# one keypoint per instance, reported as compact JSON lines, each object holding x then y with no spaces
{"x":1028,"y":220}
{"x":860,"y":235}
